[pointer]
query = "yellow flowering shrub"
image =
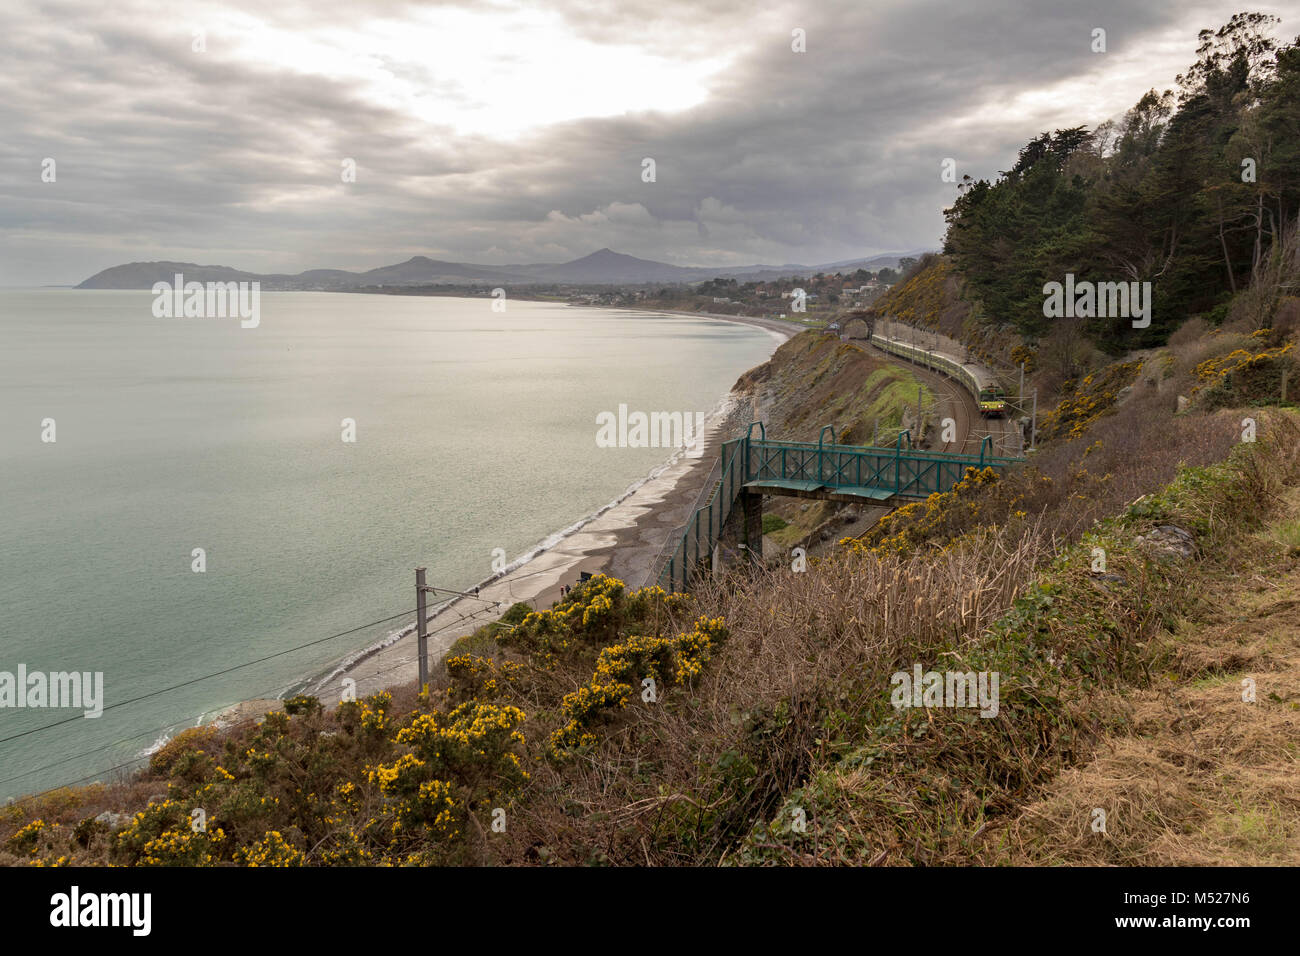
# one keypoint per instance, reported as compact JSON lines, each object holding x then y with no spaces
{"x":27,"y":838}
{"x":592,"y":615}
{"x":293,"y":791}
{"x":480,"y":678}
{"x":272,"y":850}
{"x":581,"y":708}
{"x":163,"y":834}
{"x":374,"y":714}
{"x":1026,"y":355}
{"x":1090,"y":400}
{"x":1243,"y":377}
{"x":457,"y":762}
{"x":665,"y":660}
{"x":940,"y":516}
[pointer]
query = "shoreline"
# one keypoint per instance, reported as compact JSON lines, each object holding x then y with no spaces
{"x":623,"y":539}
{"x":785,"y":327}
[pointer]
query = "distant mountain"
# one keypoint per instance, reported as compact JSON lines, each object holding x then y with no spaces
{"x":607,"y":267}
{"x":421,"y":270}
{"x":603,"y":267}
{"x":142,"y":275}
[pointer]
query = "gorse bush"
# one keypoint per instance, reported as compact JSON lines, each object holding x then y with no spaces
{"x":938,"y":518}
{"x":1245,"y":377}
{"x":652,"y":662}
{"x":365,"y":786}
{"x":1092,"y":398}
{"x":374,"y":784}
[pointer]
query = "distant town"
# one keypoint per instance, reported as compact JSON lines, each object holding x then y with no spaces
{"x":826,"y":293}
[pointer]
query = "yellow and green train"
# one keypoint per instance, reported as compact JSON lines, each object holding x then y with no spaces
{"x":984,"y":387}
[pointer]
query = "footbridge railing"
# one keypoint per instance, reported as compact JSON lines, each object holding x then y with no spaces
{"x":878,"y":475}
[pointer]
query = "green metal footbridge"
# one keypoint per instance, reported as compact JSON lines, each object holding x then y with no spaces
{"x":752,"y":466}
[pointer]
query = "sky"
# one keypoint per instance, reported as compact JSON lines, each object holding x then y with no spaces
{"x":503,"y":132}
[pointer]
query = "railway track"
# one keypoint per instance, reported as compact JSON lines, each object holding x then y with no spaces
{"x":956,"y":401}
{"x":953,"y":400}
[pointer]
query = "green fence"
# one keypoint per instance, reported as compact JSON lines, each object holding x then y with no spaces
{"x":777,"y":467}
{"x":902,"y":471}
{"x":695,"y":546}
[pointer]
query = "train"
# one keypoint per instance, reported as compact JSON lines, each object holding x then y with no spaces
{"x":989,"y":395}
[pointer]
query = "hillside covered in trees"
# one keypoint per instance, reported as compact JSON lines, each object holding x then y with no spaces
{"x":1195,"y":190}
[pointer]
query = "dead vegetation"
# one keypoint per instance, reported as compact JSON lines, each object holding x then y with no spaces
{"x":1199,"y":776}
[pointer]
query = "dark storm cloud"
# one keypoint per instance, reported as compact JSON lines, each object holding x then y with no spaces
{"x":164,"y":153}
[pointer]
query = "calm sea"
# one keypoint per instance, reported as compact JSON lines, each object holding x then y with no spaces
{"x":474,"y":431}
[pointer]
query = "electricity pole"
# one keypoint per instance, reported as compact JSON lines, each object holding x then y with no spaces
{"x":422,"y":627}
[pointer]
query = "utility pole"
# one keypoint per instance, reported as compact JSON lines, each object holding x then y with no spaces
{"x":918,"y":412}
{"x":422,"y":627}
{"x":1020,"y":392}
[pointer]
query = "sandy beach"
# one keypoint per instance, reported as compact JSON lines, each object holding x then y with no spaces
{"x":622,"y":541}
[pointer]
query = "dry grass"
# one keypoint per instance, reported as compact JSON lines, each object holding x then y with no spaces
{"x":801,"y":646}
{"x":1200,"y":777}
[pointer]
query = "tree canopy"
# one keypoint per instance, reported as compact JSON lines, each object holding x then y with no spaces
{"x":1189,"y":191}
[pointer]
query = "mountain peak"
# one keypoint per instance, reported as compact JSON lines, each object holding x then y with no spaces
{"x":605,"y":255}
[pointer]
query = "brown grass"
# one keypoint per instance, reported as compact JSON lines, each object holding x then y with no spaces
{"x":1201,"y":778}
{"x":654,"y":792}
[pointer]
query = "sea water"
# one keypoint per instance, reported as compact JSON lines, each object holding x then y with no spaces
{"x":198,"y":507}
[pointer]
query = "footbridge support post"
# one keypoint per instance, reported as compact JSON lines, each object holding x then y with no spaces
{"x":751,"y":504}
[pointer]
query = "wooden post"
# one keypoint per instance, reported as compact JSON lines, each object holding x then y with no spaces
{"x":1033,"y":428}
{"x":421,"y":628}
{"x":1284,"y":373}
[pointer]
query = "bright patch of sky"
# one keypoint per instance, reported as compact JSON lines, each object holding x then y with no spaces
{"x":479,"y":71}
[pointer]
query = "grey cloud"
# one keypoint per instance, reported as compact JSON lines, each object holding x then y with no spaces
{"x":825,"y":155}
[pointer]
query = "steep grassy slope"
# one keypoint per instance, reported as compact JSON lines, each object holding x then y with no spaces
{"x":815,"y":380}
{"x":1203,"y":769}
